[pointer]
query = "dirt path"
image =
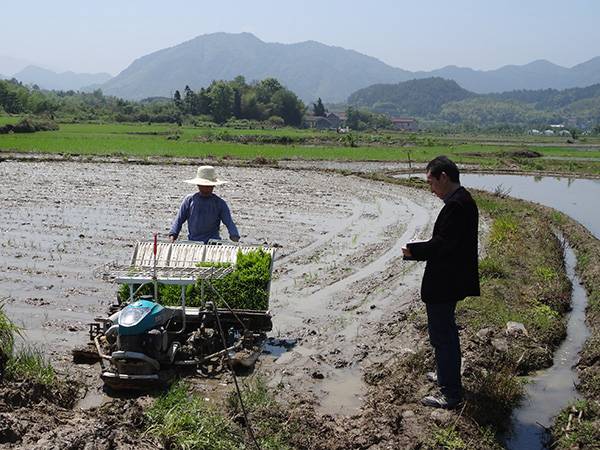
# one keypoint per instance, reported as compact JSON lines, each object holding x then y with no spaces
{"x":339,"y":277}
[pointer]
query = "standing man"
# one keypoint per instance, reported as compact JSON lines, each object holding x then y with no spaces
{"x":204,"y":211}
{"x":451,"y":274}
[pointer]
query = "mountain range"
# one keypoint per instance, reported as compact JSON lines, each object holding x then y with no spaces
{"x":47,"y":79}
{"x":310,"y":69}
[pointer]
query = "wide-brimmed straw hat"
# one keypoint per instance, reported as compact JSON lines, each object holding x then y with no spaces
{"x":206,"y":176}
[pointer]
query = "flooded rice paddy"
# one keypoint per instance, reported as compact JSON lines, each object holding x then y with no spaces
{"x":337,"y":275}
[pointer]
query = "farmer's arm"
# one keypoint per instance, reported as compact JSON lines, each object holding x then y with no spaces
{"x":234,"y":235}
{"x":182,"y":216}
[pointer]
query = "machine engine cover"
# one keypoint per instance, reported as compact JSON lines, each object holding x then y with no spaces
{"x":139,"y":317}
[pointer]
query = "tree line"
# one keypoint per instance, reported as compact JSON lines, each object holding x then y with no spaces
{"x":16,"y":98}
{"x":219,"y":102}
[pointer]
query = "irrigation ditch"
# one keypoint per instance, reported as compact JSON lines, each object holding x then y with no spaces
{"x":347,"y":360}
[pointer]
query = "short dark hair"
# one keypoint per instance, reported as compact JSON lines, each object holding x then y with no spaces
{"x":443,"y":164}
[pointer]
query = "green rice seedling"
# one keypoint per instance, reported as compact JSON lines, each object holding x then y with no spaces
{"x":247,"y":287}
{"x":545,"y":274}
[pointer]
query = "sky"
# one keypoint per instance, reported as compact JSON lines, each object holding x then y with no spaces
{"x":108,"y":35}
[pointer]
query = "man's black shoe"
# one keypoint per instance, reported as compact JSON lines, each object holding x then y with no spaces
{"x":441,"y":401}
{"x":431,"y":376}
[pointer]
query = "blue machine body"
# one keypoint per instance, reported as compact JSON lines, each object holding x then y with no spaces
{"x":140,"y":317}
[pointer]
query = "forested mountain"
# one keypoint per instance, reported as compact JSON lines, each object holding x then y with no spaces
{"x":445,"y":100}
{"x":314,"y":70}
{"x":414,"y":98}
{"x":309,"y":69}
{"x":65,"y":81}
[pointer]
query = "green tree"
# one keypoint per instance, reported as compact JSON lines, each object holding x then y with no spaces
{"x":266,"y":89}
{"x":221,"y":101}
{"x":288,"y":106}
{"x":177,"y":100}
{"x":250,"y":108}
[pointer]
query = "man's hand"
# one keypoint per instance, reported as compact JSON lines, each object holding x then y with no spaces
{"x":235,"y":238}
{"x":406,"y":252}
{"x":172,"y":238}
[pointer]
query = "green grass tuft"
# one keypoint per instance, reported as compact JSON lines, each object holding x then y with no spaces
{"x":8,"y":330}
{"x":183,"y":420}
{"x":448,"y":439}
{"x":30,"y":363}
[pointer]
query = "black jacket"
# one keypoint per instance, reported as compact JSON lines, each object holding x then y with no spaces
{"x":451,"y":273}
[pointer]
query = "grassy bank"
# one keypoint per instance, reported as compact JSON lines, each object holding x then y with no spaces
{"x":143,"y":140}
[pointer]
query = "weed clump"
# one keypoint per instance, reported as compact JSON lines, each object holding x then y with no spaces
{"x":577,"y":426}
{"x":30,"y":363}
{"x":26,"y":363}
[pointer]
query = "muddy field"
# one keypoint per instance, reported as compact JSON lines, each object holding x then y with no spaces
{"x":339,"y":276}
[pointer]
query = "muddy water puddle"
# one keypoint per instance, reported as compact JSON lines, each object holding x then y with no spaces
{"x":338,"y":272}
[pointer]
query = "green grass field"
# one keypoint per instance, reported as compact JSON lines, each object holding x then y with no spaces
{"x":142,"y":140}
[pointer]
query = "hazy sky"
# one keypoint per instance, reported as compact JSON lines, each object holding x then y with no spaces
{"x":107,"y":35}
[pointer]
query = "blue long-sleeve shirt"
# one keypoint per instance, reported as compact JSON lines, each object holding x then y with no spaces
{"x":204,"y":215}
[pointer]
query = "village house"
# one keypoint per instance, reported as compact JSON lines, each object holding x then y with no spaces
{"x":405,"y":123}
{"x":331,"y":121}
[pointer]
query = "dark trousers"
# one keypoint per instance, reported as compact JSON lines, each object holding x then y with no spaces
{"x":443,"y":335}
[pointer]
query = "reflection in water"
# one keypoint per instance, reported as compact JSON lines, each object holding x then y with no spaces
{"x":574,"y":197}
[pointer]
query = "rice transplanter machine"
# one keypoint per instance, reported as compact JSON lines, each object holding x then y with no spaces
{"x":144,"y":344}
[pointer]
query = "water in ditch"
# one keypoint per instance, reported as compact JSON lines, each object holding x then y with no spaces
{"x":553,"y":389}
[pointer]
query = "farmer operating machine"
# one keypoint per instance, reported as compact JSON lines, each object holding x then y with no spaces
{"x":144,"y":343}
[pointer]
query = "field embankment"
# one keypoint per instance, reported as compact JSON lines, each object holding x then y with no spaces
{"x":162,"y":140}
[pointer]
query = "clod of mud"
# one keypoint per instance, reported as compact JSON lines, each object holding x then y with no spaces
{"x":87,"y":354}
{"x":38,"y":417}
{"x":19,"y":394}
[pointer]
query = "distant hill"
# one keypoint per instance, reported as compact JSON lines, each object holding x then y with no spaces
{"x":539,"y":74}
{"x":445,"y":100}
{"x":313,"y":70}
{"x":310,"y":69}
{"x":414,"y":98}
{"x":47,"y":79}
